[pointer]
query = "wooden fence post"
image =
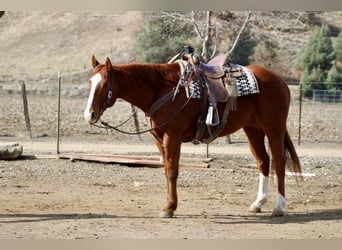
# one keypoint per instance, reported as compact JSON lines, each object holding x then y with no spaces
{"x":58,"y":108}
{"x":26,"y":112}
{"x":300,"y":114}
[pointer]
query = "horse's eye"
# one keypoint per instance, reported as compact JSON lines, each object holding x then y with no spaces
{"x":109,"y":94}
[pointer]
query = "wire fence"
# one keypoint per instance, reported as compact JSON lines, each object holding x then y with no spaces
{"x":317,"y":119}
{"x":326,"y":96}
{"x":318,"y":112}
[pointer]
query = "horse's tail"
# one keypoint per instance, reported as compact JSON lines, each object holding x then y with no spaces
{"x":291,"y":154}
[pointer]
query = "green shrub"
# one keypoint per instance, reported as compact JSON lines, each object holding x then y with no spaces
{"x":161,"y":38}
{"x":316,"y":59}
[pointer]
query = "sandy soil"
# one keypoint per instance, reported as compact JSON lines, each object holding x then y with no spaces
{"x":52,"y":198}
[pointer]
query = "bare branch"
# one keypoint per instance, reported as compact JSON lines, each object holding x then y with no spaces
{"x":300,"y":14}
{"x":176,"y":16}
{"x":197,"y":29}
{"x":206,"y":36}
{"x":240,"y":32}
{"x":217,"y":31}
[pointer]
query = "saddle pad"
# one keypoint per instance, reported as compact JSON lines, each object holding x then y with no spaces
{"x":194,"y":90}
{"x":247,"y":83}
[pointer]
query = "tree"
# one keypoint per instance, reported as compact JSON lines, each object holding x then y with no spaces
{"x":160,"y":38}
{"x":334,"y":78}
{"x":205,"y":29}
{"x":338,"y":48}
{"x":244,"y":49}
{"x":316,"y":58}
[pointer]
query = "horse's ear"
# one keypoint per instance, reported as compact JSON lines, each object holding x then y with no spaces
{"x":108,"y":64}
{"x":94,"y":61}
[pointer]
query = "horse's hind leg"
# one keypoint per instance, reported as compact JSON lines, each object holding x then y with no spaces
{"x":256,"y":137}
{"x":276,"y":141}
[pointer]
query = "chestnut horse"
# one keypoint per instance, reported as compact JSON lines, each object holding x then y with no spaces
{"x":259,"y":115}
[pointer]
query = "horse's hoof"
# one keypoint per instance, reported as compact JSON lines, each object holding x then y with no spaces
{"x":166,"y":214}
{"x":277,"y":213}
{"x":253,"y":209}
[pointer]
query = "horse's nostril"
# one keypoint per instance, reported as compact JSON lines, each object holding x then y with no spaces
{"x":93,"y":116}
{"x":90,"y":116}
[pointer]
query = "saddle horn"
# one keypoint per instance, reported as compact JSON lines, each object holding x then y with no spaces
{"x":195,"y":60}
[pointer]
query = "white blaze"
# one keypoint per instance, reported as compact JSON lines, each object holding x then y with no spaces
{"x":94,"y":82}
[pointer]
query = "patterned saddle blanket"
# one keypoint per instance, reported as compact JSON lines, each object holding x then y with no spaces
{"x":236,"y":81}
{"x":243,"y":82}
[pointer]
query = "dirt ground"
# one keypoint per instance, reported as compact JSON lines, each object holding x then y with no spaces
{"x":50,"y":198}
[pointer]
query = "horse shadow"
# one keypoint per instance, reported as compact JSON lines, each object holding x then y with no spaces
{"x":288,"y":218}
{"x":30,"y":217}
{"x":261,"y":218}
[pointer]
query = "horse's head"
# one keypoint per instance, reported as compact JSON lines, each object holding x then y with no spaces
{"x":103,"y":91}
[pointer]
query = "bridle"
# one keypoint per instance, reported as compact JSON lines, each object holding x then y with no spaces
{"x":155,"y":106}
{"x":185,"y":78}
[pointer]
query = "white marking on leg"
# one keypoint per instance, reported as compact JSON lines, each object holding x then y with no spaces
{"x":262,"y":194}
{"x":280,"y":206}
{"x":94,"y":82}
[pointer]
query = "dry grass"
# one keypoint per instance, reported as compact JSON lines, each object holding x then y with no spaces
{"x":43,"y":42}
{"x":34,"y":44}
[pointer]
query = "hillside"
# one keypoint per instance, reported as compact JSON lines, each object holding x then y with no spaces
{"x":42,"y":42}
{"x":37,"y":44}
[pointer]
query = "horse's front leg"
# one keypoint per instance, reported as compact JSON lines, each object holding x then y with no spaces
{"x":159,"y":145}
{"x":172,"y":147}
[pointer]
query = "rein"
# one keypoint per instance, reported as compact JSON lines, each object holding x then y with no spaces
{"x":106,"y":126}
{"x":155,"y":106}
{"x":160,"y":102}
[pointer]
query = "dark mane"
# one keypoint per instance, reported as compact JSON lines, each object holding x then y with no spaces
{"x":155,"y":74}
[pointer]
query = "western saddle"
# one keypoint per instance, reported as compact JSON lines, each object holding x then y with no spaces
{"x":218,"y":76}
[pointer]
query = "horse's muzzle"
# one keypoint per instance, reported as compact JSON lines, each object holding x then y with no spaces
{"x":93,"y":117}
{"x":90,"y":116}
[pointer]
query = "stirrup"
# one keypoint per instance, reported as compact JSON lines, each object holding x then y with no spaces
{"x":212,"y":116}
